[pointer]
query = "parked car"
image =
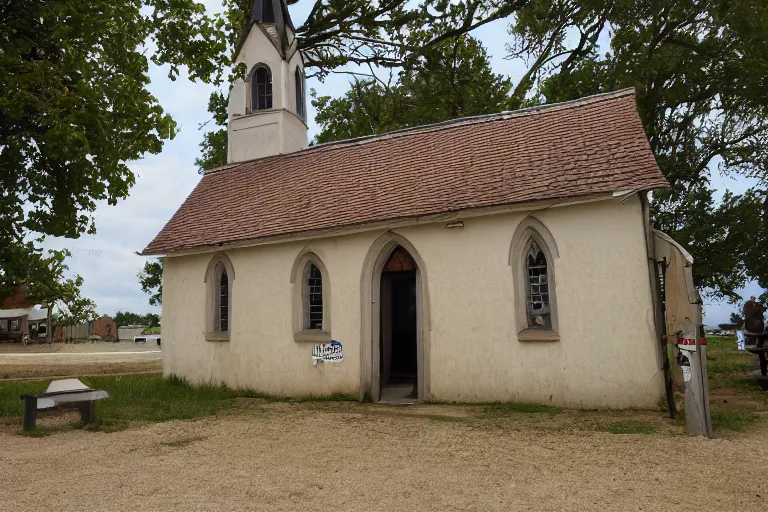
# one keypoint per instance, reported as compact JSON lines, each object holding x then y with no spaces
{"x":143,"y":338}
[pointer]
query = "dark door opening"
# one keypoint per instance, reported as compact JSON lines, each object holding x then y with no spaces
{"x":398,"y":347}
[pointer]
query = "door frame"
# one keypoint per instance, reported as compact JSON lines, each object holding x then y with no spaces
{"x":370,"y":339}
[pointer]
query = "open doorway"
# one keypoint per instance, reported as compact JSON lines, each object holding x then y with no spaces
{"x":398,"y":350}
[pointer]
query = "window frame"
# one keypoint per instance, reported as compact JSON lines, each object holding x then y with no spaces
{"x":218,"y":266}
{"x":529,"y":231}
{"x":253,"y":92}
{"x":300,"y":275}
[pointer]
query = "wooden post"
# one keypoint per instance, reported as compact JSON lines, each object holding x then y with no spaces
{"x":88,"y":412}
{"x":30,"y":412}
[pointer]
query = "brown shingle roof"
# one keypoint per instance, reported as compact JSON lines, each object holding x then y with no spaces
{"x":590,"y":146}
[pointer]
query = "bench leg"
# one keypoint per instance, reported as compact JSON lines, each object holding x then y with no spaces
{"x":30,"y":413}
{"x":88,"y":412}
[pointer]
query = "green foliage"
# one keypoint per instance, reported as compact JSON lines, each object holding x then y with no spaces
{"x":699,"y":70}
{"x":452,"y":79}
{"x":75,"y":108}
{"x":123,"y":318}
{"x":151,"y":280}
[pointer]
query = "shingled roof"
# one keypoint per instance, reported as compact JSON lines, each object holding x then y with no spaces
{"x":591,"y":146}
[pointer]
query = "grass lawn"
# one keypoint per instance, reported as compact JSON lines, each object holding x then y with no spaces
{"x":738,"y":393}
{"x":144,"y":398}
{"x":139,"y":398}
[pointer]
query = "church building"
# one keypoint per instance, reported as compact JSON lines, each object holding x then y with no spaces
{"x":503,"y":257}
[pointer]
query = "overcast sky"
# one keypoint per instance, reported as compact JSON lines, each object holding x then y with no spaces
{"x":107,"y":260}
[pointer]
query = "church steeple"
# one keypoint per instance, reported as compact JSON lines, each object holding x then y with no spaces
{"x":267,"y":111}
{"x":274,"y":12}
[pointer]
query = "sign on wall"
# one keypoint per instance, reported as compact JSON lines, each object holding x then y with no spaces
{"x":327,"y":352}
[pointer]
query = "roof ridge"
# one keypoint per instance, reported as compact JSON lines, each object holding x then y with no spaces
{"x":442,"y":125}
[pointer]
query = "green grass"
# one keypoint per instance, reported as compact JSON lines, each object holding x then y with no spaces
{"x":723,"y":358}
{"x":733,"y":420}
{"x":151,"y":330}
{"x":147,"y":398}
{"x":630,"y":427}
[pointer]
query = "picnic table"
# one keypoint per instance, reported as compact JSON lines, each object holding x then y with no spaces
{"x":64,"y":393}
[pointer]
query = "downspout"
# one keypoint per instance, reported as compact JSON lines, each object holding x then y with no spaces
{"x":658,"y":314}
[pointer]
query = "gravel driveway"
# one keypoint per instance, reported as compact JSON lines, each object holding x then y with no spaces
{"x":353,"y":457}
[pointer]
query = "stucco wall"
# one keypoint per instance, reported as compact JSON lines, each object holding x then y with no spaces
{"x":606,"y":357}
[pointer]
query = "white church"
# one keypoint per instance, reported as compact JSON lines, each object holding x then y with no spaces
{"x":502,"y":257}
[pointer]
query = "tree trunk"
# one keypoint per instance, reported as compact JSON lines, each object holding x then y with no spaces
{"x":48,"y":331}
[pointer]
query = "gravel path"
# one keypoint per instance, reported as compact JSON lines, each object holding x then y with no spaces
{"x":351,"y":457}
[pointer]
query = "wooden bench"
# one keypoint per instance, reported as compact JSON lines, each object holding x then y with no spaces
{"x":65,"y":393}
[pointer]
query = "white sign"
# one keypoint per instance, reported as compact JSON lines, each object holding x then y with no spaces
{"x":327,"y":352}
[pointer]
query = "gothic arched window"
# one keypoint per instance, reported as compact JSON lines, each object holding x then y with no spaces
{"x":532,"y":256}
{"x":261,"y":88}
{"x":311,"y":303}
{"x":219,"y":278}
{"x":301,"y":106}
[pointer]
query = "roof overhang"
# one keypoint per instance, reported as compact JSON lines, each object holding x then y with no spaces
{"x":532,"y":206}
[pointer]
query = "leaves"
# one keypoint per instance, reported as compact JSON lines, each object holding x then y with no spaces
{"x":151,"y":280}
{"x":453,"y":79}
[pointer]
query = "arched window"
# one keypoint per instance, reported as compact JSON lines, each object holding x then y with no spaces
{"x":223,"y":305}
{"x":311,"y":299}
{"x":301,"y":107}
{"x":261,"y":88}
{"x":218,"y":279}
{"x":314,"y":299}
{"x":532,"y":257}
{"x":537,"y":290}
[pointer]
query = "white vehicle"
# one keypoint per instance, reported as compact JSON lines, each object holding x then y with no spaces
{"x":143,"y":338}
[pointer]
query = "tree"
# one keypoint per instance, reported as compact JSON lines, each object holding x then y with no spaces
{"x":151,"y":279}
{"x":46,"y":285}
{"x":123,"y":318}
{"x":75,"y":108}
{"x":737,"y":320}
{"x":75,"y":310}
{"x":453,"y":79}
{"x":699,"y":69}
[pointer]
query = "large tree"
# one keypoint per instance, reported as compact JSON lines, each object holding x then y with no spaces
{"x":75,"y":108}
{"x":700,"y":71}
{"x":452,"y":79}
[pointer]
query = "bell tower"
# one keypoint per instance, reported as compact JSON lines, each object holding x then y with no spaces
{"x":268,"y":111}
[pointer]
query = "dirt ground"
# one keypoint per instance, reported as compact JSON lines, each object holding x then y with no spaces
{"x":362,"y":457}
{"x":53,"y":371}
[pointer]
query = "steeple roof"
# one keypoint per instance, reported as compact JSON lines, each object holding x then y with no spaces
{"x":273,"y":12}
